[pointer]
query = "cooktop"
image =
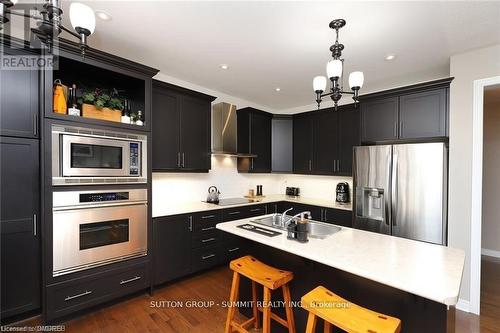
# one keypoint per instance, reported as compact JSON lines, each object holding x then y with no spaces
{"x":233,"y":201}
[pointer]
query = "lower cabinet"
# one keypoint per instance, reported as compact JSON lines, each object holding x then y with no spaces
{"x":172,"y":247}
{"x":68,"y":297}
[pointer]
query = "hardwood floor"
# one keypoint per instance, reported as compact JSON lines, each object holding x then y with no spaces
{"x":145,"y":314}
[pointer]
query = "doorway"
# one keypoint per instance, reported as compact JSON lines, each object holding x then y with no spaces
{"x":485,"y":224}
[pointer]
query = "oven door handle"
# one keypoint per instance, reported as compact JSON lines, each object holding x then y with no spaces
{"x":99,"y":205}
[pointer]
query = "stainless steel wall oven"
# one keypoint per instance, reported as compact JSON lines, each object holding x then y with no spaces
{"x":90,"y":156}
{"x":93,"y":228}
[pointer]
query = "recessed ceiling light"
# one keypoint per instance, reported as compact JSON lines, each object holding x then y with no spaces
{"x":224,"y":66}
{"x":103,"y":15}
{"x":390,"y":57}
{"x":278,"y":89}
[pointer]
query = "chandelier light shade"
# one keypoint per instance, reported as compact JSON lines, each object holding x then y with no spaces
{"x":82,"y":17}
{"x":356,"y":80}
{"x":334,"y":72}
{"x":334,"y":69}
{"x":319,"y":84}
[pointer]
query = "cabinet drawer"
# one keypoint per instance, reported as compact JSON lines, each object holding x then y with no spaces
{"x":236,"y":213}
{"x":68,"y":297}
{"x":256,"y":210}
{"x":206,"y":221}
{"x":206,"y":238}
{"x":206,"y":257}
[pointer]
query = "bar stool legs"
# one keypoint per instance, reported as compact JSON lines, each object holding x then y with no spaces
{"x":233,"y":297}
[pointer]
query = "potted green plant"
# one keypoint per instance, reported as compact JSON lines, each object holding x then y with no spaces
{"x":101,"y":104}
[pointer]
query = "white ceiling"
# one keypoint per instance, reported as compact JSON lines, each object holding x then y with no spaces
{"x":285,"y":44}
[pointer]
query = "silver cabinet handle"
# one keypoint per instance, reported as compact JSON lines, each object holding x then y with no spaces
{"x":208,"y":240}
{"x":130,"y":280}
{"x":35,"y":124}
{"x":400,"y":128}
{"x":183,"y":160}
{"x":235,"y":249}
{"x":310,"y":165}
{"x":255,"y":210}
{"x":265,"y":209}
{"x":178,"y":159}
{"x":395,"y":129}
{"x":233,"y":213}
{"x":69,"y":298}
{"x":35,"y":231}
{"x":208,"y":217}
{"x":206,"y":229}
{"x":208,"y":257}
{"x":251,"y":161}
{"x":190,"y":223}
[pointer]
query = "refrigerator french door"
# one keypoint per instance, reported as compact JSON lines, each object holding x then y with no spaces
{"x":401,"y":190}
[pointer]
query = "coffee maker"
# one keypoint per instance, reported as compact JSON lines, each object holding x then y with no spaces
{"x":342,"y":196}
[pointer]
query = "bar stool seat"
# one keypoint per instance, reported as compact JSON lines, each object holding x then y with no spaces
{"x":271,"y":279}
{"x":352,"y":318}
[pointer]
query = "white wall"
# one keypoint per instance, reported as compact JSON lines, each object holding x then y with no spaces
{"x":181,"y":187}
{"x":465,"y":67}
{"x":491,"y":172}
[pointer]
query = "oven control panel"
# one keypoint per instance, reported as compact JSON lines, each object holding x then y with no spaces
{"x":134,"y":159}
{"x":107,"y":196}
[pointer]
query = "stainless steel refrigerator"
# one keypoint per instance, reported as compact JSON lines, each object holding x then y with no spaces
{"x":401,"y":190}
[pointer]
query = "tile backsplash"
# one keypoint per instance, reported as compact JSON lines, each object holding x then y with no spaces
{"x":188,"y":187}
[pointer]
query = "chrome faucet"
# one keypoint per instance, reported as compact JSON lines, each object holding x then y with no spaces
{"x":284,"y":215}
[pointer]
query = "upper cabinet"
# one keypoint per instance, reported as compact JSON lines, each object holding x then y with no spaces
{"x":410,"y":113}
{"x":323,"y":141}
{"x":181,"y":129}
{"x":254,"y":137}
{"x":282,"y":144}
{"x":19,"y":101}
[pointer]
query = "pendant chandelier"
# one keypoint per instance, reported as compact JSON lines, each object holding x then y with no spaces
{"x":335,"y":71}
{"x":49,"y":21}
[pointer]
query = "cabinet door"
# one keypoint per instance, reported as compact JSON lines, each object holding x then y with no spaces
{"x":195,"y":133}
{"x":172,"y":247}
{"x":20,"y":242}
{"x":282,"y":144}
{"x":302,"y":144}
{"x":423,"y":114}
{"x":325,"y":142}
{"x":348,"y":135}
{"x":165,"y":128}
{"x":379,"y":119}
{"x":338,"y":217}
{"x":260,"y":142}
{"x":19,"y":101}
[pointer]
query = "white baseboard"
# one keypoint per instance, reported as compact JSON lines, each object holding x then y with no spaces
{"x":463,"y":305}
{"x":490,"y":253}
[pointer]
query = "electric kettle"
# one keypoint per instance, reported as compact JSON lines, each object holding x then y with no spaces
{"x":213,"y":195}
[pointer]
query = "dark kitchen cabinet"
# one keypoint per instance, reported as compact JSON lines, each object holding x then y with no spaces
{"x":19,"y":227}
{"x":412,"y":113}
{"x":325,"y":142}
{"x":337,"y":216}
{"x":254,"y":137}
{"x":282,"y":144}
{"x":302,"y":143}
{"x":379,"y":119}
{"x":423,"y":114}
{"x":19,"y":102}
{"x":181,"y":129}
{"x":172,"y":247}
{"x":348,"y":137}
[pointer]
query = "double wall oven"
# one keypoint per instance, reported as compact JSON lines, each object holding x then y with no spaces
{"x":94,"y":227}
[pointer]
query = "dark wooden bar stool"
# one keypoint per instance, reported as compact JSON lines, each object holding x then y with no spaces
{"x":270,"y":278}
{"x":352,"y":318}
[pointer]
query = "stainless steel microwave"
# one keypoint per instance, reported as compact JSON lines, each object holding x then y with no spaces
{"x":90,"y":156}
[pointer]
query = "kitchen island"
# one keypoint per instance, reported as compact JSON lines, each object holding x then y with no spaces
{"x":411,"y":280}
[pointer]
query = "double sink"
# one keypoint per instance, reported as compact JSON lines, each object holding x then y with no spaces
{"x":315,"y":229}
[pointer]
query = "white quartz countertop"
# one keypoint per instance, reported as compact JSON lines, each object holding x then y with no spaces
{"x":427,"y":270}
{"x":172,"y":208}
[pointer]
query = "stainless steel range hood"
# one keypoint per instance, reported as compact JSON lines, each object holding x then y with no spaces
{"x":224,"y":131}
